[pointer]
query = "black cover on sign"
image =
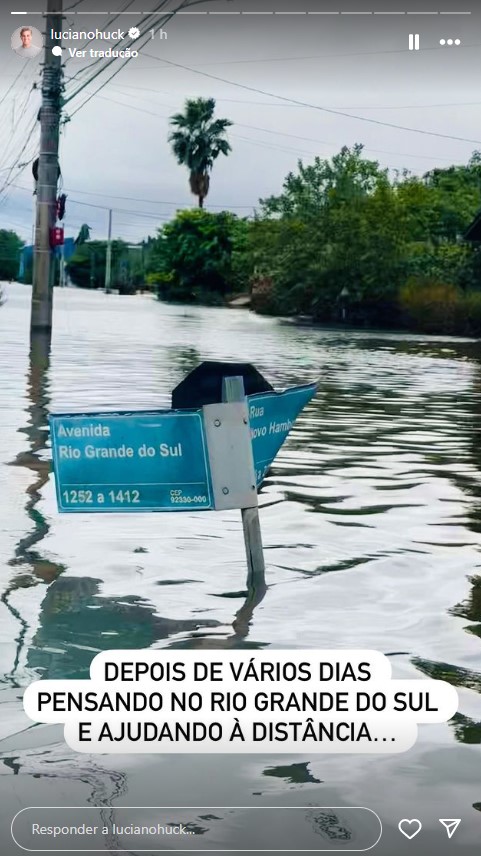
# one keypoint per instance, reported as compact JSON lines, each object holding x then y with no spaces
{"x":204,"y":384}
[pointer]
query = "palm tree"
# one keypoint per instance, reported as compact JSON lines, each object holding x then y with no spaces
{"x":197,"y":141}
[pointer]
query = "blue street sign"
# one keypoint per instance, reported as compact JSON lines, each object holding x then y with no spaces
{"x":153,"y":461}
{"x":271,"y":417}
{"x":158,"y":460}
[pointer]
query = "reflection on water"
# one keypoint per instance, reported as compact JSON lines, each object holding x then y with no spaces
{"x":30,"y":564}
{"x":371,"y":518}
{"x":33,"y":459}
{"x":452,"y":674}
{"x":466,"y":730}
{"x":471,"y":607}
{"x":75,"y":623}
{"x":294,"y":774}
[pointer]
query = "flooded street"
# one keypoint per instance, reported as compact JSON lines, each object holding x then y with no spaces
{"x":371,"y":520}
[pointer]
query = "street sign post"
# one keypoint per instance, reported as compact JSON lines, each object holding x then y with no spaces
{"x":210,"y":457}
{"x":233,"y":391}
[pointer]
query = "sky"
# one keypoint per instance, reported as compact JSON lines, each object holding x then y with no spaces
{"x":276,"y":76}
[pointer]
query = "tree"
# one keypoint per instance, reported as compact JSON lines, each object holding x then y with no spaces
{"x":344,"y":238}
{"x":83,"y":236}
{"x":439,"y":207}
{"x":194,"y":256}
{"x":198,"y":141}
{"x":86,"y":268}
{"x":457,"y":190}
{"x":10,"y":249}
{"x":332,"y":241}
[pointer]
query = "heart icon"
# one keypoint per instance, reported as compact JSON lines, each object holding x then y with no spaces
{"x":410,"y":828}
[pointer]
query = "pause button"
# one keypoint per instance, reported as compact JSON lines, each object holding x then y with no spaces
{"x":413,"y":41}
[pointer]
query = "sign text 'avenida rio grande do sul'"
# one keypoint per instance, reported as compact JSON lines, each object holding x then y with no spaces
{"x":158,"y":460}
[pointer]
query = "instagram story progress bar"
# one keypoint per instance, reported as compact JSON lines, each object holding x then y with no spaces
{"x":254,"y":12}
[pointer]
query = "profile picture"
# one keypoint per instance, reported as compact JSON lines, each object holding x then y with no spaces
{"x":27,"y":41}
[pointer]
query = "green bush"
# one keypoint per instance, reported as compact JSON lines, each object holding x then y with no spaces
{"x":10,"y":249}
{"x":263,"y":299}
{"x":86,"y":268}
{"x":343,"y":236}
{"x":199,"y":257}
{"x":160,"y":283}
{"x":433,"y":307}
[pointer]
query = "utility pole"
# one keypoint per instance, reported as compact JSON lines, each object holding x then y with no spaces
{"x":108,"y":257}
{"x":43,"y":266}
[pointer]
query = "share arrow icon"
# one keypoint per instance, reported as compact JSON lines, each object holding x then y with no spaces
{"x":450,"y":825}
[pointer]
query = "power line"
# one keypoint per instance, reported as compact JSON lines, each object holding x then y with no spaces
{"x":308,"y":57}
{"x":295,"y":136}
{"x":15,"y":80}
{"x":315,"y":106}
{"x":321,"y":56}
{"x":11,"y":134}
{"x":148,"y":214}
{"x":258,"y":143}
{"x":263,"y":145}
{"x":151,"y":16}
{"x":276,"y":104}
{"x":151,"y":201}
{"x":281,"y":98}
{"x":143,"y":41}
{"x":109,"y":21}
{"x":155,"y":217}
{"x":8,"y":182}
{"x":69,"y":8}
{"x":269,"y":131}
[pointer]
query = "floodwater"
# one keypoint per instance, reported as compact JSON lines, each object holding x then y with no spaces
{"x":370,"y":516}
